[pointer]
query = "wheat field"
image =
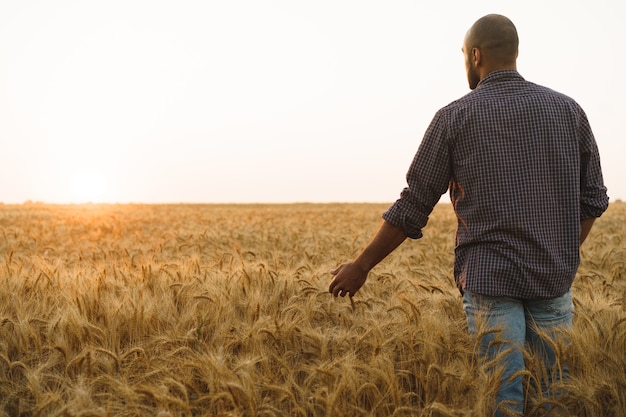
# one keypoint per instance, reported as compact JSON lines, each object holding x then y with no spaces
{"x":223,"y":310}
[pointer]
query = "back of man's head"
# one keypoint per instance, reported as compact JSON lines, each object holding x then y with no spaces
{"x":495,"y":35}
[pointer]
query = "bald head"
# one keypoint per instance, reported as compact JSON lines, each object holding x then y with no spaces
{"x":490,"y":44}
{"x":495,"y":35}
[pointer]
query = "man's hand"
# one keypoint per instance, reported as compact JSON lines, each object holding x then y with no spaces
{"x":349,"y":278}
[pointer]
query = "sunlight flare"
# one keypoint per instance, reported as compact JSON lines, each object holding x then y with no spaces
{"x":89,"y":187}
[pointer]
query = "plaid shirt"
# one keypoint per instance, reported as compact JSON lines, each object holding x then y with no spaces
{"x":523,"y":170}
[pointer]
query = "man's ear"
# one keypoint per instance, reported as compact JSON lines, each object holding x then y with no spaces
{"x":476,"y":57}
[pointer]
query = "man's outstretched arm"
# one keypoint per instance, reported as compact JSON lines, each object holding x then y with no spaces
{"x":350,"y":277}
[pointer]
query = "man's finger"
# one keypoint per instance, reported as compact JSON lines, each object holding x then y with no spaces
{"x":336,"y":270}
{"x":336,"y":290}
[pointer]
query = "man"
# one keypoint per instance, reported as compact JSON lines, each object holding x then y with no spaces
{"x":523,"y":171}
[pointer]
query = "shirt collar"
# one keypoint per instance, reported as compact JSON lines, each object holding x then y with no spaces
{"x":501,"y":75}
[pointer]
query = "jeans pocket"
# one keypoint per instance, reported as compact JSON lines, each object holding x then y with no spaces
{"x":501,"y":313}
{"x":555,"y":312}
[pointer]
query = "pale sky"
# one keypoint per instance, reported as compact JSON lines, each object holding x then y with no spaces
{"x":267,"y":100}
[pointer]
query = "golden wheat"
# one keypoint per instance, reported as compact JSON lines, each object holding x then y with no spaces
{"x":223,"y":310}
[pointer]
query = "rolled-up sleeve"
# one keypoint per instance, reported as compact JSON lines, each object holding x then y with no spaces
{"x":594,"y":199}
{"x":428,"y":178}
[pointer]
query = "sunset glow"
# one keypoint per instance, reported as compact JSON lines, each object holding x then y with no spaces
{"x":89,"y":187}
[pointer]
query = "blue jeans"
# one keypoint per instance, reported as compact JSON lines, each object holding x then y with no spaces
{"x":510,"y":324}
